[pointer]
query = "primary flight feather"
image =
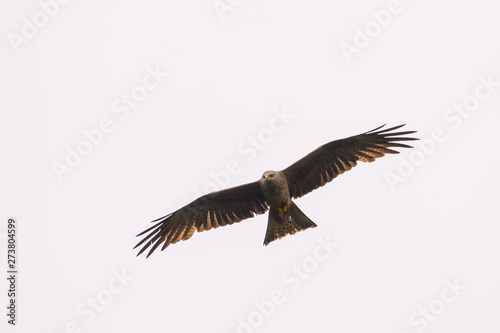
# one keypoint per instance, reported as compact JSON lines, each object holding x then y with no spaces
{"x":274,"y":191}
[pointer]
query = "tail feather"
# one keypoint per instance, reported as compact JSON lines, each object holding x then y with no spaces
{"x":281,"y":224}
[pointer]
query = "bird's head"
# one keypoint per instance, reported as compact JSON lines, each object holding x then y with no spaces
{"x":268,"y":175}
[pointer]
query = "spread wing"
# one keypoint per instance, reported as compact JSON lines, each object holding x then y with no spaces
{"x":209,"y":211}
{"x":334,"y":158}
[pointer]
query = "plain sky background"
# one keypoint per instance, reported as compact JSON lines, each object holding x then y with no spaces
{"x":231,"y":71}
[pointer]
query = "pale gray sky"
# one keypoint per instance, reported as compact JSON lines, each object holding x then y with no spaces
{"x":114,"y":114}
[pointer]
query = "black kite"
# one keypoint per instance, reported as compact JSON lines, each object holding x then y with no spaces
{"x":274,"y":191}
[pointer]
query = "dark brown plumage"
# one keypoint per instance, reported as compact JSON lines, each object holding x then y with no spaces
{"x":274,"y":191}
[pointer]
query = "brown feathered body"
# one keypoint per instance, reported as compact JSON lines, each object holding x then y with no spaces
{"x":285,"y":218}
{"x":275,"y":189}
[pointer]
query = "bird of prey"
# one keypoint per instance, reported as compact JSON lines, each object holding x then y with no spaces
{"x":274,"y":191}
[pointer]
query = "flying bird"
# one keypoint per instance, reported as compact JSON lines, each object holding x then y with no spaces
{"x":274,"y":191}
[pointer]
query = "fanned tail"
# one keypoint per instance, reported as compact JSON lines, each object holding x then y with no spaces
{"x":281,"y":224}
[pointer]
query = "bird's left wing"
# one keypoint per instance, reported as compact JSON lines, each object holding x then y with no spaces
{"x":334,"y":158}
{"x":209,"y":211}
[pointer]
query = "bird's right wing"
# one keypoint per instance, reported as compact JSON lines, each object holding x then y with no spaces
{"x":209,"y":211}
{"x":332,"y":159}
